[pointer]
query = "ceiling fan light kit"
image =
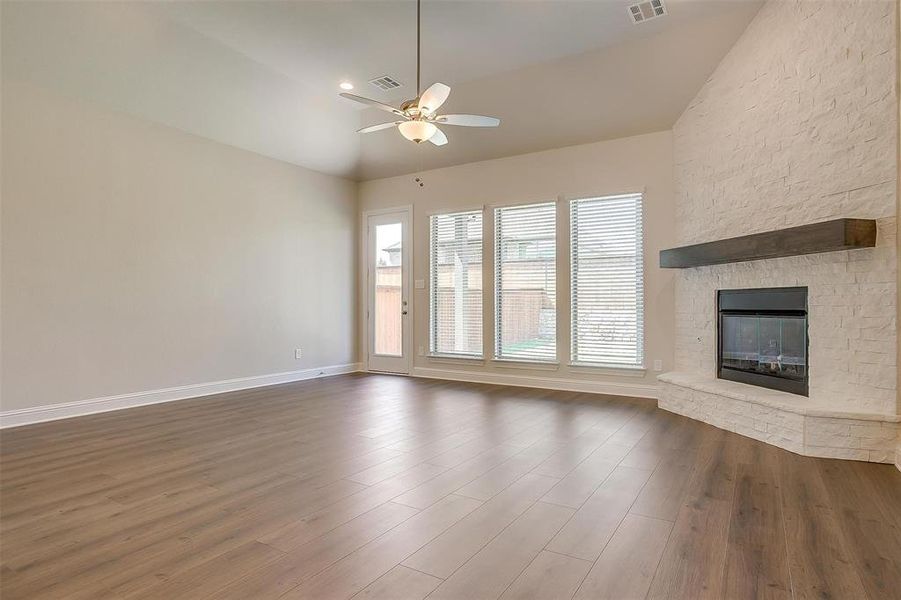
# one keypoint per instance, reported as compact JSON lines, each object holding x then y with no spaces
{"x":419,"y":115}
{"x":417,"y":131}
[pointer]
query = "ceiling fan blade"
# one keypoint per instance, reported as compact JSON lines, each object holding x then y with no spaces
{"x":468,"y":120}
{"x":379,"y":127}
{"x":374,"y":103}
{"x":439,"y":139}
{"x":432,"y":99}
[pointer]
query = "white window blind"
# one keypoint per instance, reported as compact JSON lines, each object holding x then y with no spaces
{"x":607,"y":281}
{"x":456,"y":283}
{"x":525,"y":279}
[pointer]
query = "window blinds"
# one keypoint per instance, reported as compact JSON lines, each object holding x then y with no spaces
{"x":607,"y":280}
{"x":456,"y":283}
{"x":525,"y":273}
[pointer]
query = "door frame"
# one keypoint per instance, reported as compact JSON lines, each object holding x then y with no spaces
{"x":407,"y":276}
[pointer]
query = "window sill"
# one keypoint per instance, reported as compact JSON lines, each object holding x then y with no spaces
{"x":618,"y":370}
{"x":540,"y":365}
{"x":455,"y":358}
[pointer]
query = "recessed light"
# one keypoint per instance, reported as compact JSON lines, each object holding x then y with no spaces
{"x":346,"y":85}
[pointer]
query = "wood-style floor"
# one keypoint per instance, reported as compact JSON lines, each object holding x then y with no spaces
{"x":395,"y":488}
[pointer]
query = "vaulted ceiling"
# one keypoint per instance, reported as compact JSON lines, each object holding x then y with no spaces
{"x":264,"y":76}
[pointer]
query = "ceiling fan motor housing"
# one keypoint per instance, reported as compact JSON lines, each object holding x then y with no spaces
{"x":411,"y":107}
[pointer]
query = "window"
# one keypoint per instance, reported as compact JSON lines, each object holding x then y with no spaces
{"x":607,"y":281}
{"x":525,"y":279}
{"x":456,"y":283}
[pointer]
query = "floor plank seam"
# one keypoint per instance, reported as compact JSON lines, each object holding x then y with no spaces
{"x":474,"y":554}
{"x":731,"y":523}
{"x":372,"y":541}
{"x":401,"y":564}
{"x":518,"y":575}
{"x":653,"y":577}
{"x":791,"y":584}
{"x":557,"y":552}
{"x":843,"y":540}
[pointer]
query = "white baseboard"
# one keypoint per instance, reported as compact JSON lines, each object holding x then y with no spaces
{"x":39,"y":414}
{"x":614,"y":388}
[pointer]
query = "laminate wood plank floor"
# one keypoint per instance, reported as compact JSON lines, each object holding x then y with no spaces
{"x":374,"y":486}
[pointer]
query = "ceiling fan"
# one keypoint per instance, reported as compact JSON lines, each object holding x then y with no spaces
{"x":418,"y":119}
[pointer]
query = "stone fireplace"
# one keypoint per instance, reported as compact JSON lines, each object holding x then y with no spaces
{"x":774,"y":140}
{"x":848,"y":369}
{"x":762,"y":338}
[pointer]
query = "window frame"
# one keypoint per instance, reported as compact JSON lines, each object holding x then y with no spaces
{"x":517,"y":361}
{"x":640,"y":367}
{"x":433,"y":353}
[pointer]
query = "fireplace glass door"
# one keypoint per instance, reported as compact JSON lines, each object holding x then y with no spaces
{"x":768,"y":345}
{"x":762,"y":337}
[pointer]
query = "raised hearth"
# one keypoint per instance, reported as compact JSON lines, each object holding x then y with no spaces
{"x":786,"y":420}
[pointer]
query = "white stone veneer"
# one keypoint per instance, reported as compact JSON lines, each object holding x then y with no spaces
{"x":797,"y":125}
{"x":785,"y":420}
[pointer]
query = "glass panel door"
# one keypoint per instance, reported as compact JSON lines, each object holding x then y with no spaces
{"x":388,"y":290}
{"x":770,"y":345}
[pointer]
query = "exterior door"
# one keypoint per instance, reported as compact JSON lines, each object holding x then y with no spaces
{"x":388,"y":290}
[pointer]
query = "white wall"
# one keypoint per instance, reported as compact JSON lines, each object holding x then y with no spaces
{"x":798,"y":124}
{"x":629,"y":164}
{"x":137,"y":257}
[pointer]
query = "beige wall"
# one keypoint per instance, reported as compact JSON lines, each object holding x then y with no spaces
{"x":629,"y":164}
{"x":136,"y":257}
{"x":898,"y":206}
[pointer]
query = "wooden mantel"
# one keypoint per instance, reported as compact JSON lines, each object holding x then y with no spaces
{"x":828,"y":236}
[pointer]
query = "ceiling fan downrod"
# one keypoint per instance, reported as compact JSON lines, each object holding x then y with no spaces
{"x":418,"y":46}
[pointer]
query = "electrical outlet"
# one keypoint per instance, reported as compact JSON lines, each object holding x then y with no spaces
{"x":420,"y":351}
{"x":658,"y":365}
{"x":298,"y":354}
{"x":419,"y":284}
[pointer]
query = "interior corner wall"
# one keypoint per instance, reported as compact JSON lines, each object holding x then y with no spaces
{"x":641,"y":162}
{"x":137,"y":257}
{"x":799,"y":124}
{"x":898,"y":205}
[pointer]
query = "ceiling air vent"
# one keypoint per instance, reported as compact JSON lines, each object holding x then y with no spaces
{"x":386,"y":83}
{"x":645,"y":11}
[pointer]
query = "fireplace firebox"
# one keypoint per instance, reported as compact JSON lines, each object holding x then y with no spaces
{"x":762,"y":338}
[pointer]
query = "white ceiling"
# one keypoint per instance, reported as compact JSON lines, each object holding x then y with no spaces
{"x":263,"y":75}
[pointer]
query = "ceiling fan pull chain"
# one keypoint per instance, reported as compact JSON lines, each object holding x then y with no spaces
{"x":417,"y":179}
